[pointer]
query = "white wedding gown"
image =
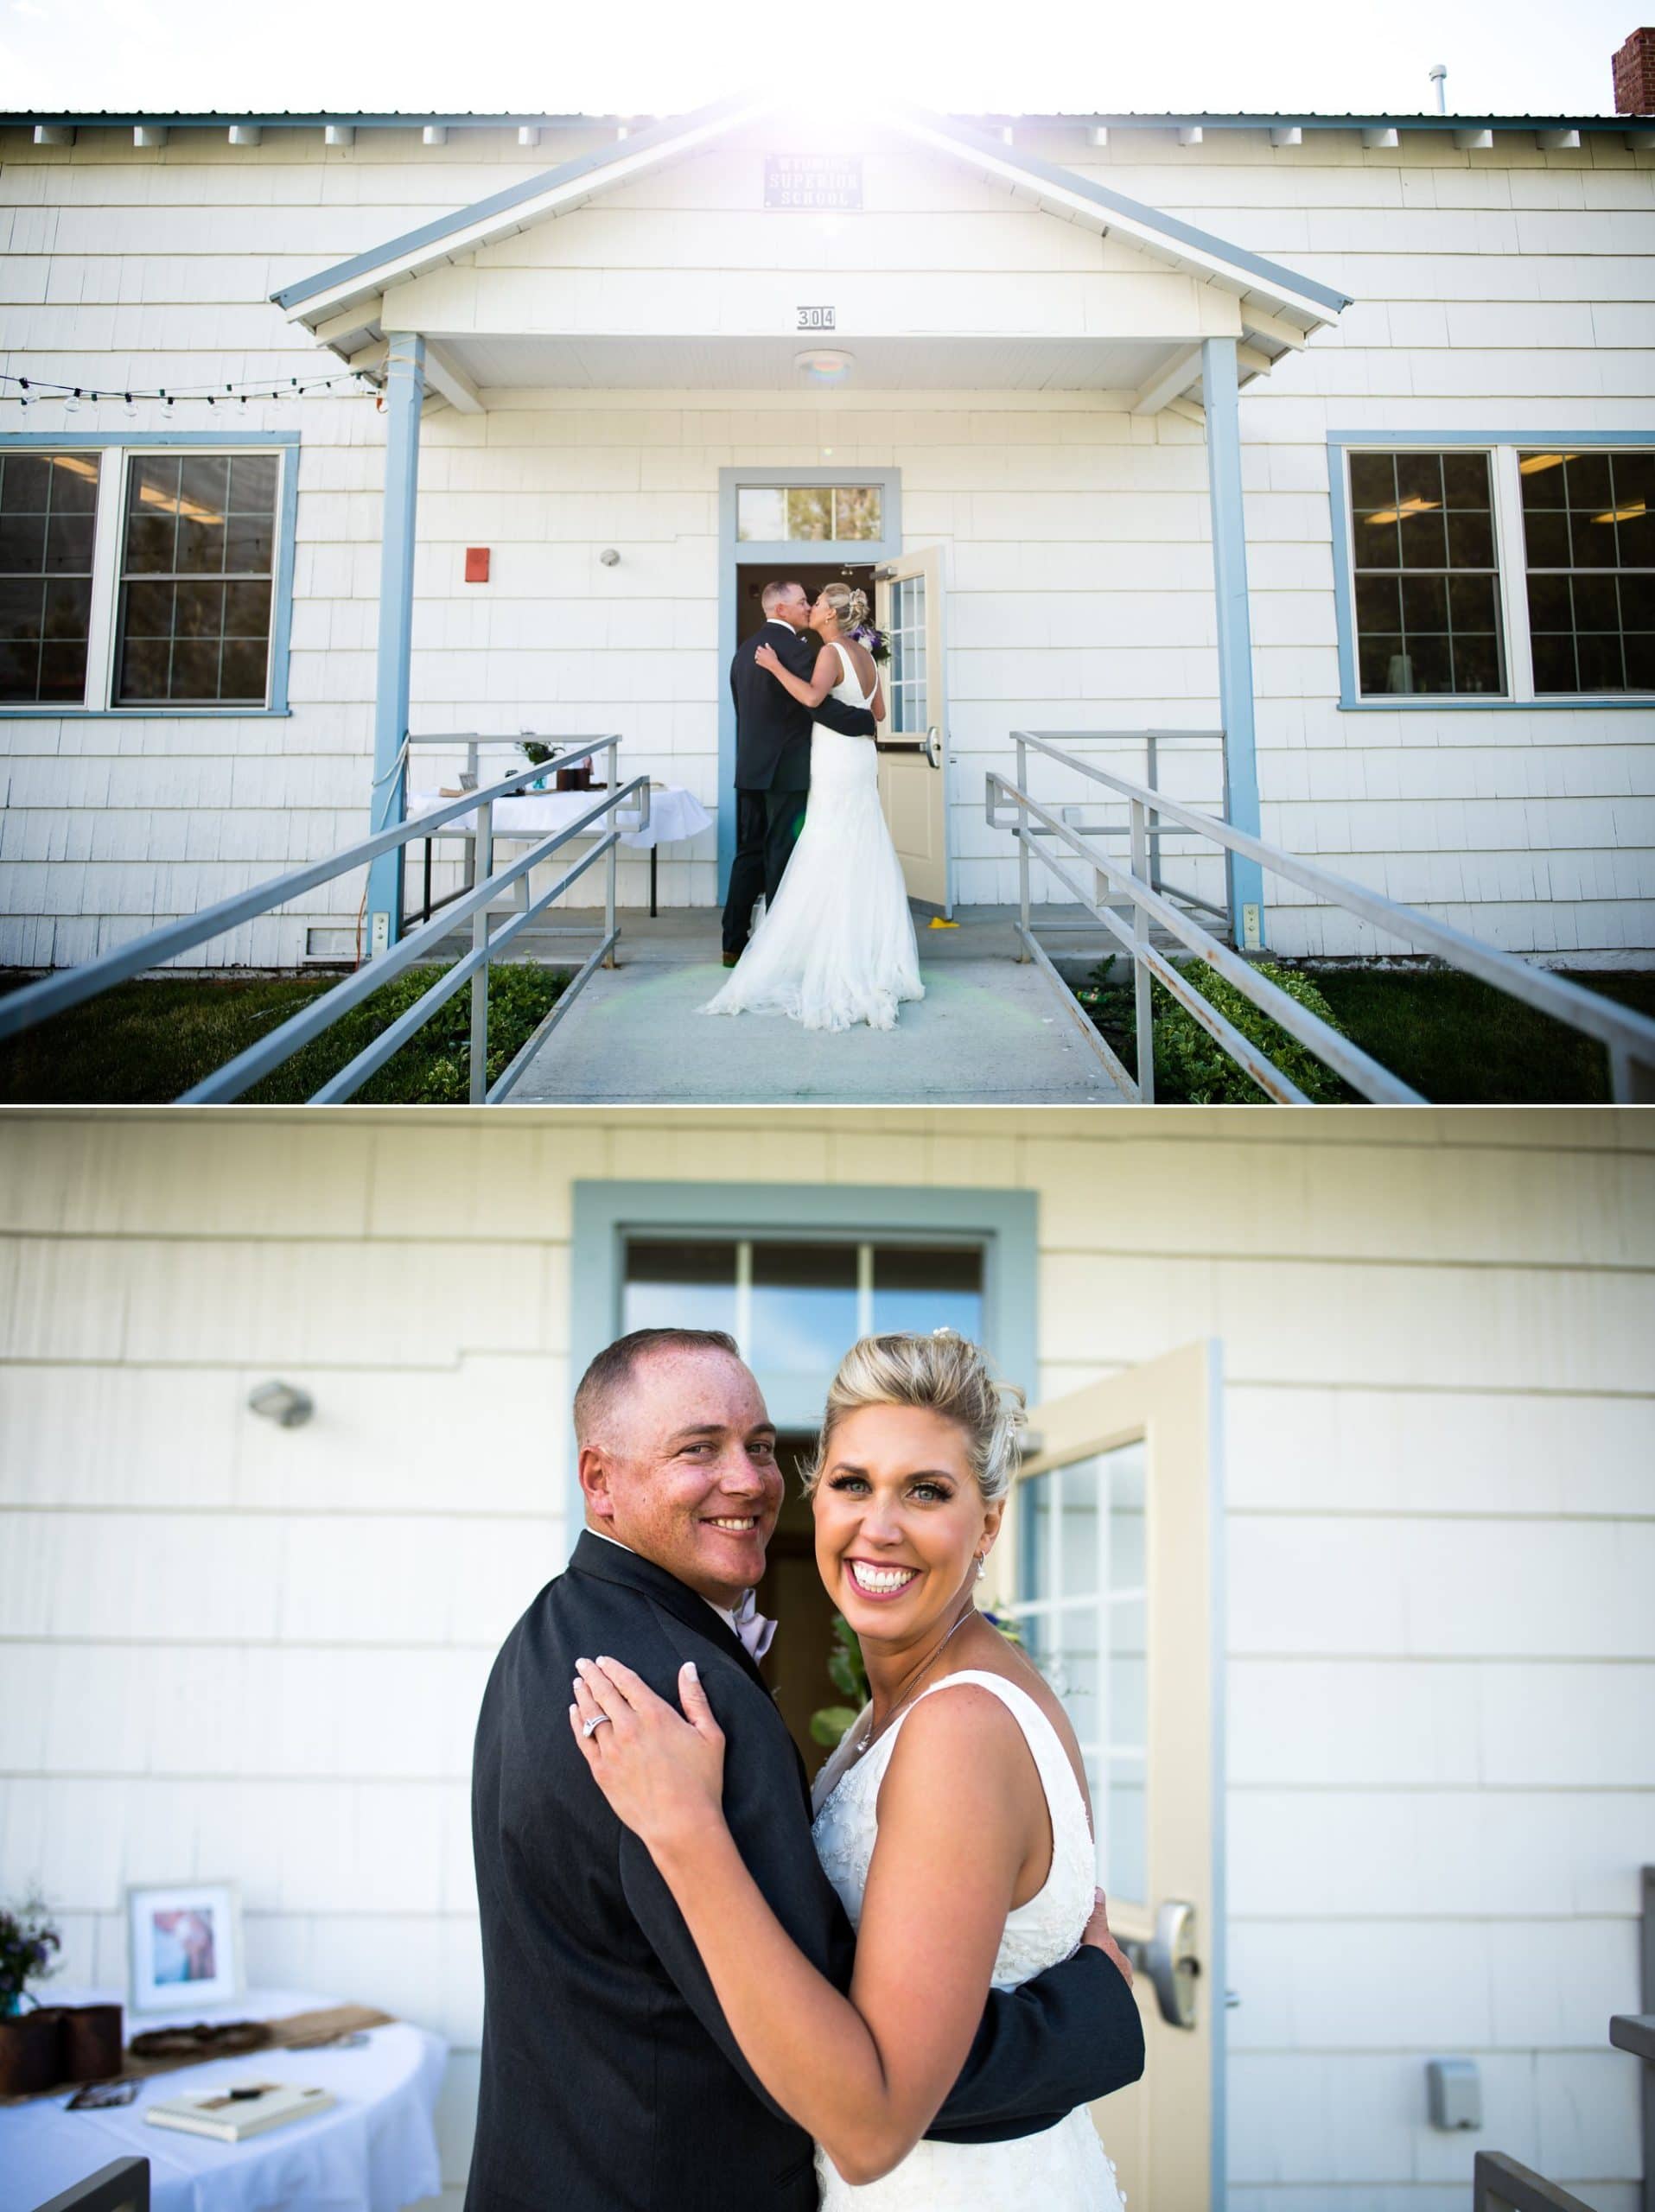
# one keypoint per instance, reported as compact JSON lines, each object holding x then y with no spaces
{"x":1063,"y":2169}
{"x":837,"y":947}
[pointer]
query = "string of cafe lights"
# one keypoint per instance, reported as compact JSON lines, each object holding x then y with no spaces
{"x":29,"y":391}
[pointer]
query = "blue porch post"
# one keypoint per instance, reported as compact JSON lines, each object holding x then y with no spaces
{"x":404,"y":393}
{"x":1235,"y":631}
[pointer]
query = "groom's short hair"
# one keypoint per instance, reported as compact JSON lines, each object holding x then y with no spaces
{"x":772,"y":595}
{"x":615,"y":1366}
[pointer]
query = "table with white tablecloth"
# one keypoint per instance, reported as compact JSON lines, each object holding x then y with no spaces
{"x":372,"y":2151}
{"x":675,"y":813}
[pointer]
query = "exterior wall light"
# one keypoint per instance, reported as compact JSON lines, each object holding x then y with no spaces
{"x":281,"y":1402}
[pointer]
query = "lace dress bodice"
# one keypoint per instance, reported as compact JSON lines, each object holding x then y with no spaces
{"x":1037,"y":1935}
{"x":1063,"y":2169}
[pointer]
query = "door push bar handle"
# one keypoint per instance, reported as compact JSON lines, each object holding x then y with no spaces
{"x":1168,"y":1958}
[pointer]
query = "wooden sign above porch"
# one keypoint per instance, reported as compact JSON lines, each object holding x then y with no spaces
{"x":812,"y":182}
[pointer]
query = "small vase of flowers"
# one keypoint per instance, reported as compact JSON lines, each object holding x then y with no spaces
{"x":537,"y":755}
{"x":31,"y":2052}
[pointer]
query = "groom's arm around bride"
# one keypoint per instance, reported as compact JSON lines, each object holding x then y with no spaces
{"x":610,"y":2079}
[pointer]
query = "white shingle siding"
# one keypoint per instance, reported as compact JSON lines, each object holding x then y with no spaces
{"x":1437,"y":1439}
{"x":1497,"y":290}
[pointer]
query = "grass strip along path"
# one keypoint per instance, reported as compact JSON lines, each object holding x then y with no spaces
{"x":1458,"y":1041}
{"x":145,"y":1042}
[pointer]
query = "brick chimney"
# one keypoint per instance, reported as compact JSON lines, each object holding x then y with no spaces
{"x":1634,"y":75}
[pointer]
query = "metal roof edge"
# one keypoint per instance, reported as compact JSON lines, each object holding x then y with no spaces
{"x":117,"y":119}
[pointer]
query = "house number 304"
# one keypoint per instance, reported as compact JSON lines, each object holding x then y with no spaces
{"x":815,"y":319}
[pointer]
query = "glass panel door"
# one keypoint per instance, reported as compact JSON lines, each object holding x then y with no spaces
{"x":1083,"y":1610}
{"x":1108,"y":1567}
{"x":914,"y":739}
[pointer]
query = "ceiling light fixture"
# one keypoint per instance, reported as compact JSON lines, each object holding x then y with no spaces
{"x":822,"y":365}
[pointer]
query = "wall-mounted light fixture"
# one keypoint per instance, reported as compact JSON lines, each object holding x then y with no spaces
{"x":288,"y":1407}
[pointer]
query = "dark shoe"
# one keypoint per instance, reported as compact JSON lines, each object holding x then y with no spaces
{"x":730,"y":959}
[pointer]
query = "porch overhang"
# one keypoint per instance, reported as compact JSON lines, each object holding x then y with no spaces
{"x":1137,"y":332}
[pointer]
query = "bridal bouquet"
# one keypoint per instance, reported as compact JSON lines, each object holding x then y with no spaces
{"x":878,"y":644}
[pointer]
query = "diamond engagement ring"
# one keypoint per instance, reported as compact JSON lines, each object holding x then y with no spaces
{"x":590,"y":1727}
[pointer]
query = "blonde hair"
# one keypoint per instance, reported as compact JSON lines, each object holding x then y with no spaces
{"x":942,"y":1374}
{"x":849,"y":604}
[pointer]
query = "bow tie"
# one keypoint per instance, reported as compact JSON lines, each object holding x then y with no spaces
{"x":752,"y":1627}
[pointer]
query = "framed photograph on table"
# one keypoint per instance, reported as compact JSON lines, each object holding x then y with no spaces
{"x":183,"y":1946}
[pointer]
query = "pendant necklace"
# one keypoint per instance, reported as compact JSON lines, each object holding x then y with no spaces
{"x":871,"y":1732}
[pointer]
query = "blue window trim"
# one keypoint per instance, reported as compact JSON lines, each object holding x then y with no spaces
{"x":1005,"y":1223}
{"x":1351,"y":701}
{"x":282,"y":582}
{"x":747,"y":552}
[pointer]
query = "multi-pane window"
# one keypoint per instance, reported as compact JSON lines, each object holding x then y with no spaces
{"x":1427,"y":582}
{"x":1588,"y":529}
{"x":49,"y":504}
{"x":197,"y":565}
{"x":796,"y":1306}
{"x":810,"y":513}
{"x":907,"y":669}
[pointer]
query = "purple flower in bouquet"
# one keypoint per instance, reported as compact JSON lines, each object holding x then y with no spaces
{"x":876,"y":640}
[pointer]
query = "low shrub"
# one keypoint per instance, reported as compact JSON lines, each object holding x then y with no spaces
{"x":1192,"y":1067}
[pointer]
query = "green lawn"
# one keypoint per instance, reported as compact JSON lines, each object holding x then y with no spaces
{"x":1456,"y":1040}
{"x":145,"y":1042}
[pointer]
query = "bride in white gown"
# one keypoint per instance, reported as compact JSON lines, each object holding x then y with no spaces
{"x":952,"y":1820}
{"x":838,"y":948}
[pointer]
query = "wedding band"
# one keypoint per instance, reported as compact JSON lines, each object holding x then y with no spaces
{"x":587,"y":1727}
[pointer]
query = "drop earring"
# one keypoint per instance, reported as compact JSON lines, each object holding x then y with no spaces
{"x":982,"y":1566}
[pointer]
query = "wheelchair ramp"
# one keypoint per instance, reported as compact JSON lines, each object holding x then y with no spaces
{"x":988,"y":1033}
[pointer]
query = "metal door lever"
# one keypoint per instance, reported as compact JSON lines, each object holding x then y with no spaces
{"x":1168,"y":1958}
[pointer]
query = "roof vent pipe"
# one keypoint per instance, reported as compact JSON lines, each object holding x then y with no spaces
{"x":1438,"y":73}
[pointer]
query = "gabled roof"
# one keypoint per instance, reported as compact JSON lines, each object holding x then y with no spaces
{"x":1295,"y":303}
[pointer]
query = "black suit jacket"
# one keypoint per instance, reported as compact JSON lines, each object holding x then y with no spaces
{"x":610,"y":2082}
{"x":773,"y":731}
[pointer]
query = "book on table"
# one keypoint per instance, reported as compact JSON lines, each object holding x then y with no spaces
{"x":245,"y":2108}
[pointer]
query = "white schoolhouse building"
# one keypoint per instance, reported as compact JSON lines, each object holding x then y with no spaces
{"x":1324,"y":444}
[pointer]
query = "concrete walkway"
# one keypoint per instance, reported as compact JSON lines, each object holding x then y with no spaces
{"x":988,"y":1033}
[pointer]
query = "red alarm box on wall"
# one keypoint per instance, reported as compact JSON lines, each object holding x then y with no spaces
{"x":476,"y":564}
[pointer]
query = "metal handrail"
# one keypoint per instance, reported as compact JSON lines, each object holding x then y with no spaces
{"x":1500,"y":2184}
{"x":1629,"y":1038}
{"x":37,"y":1002}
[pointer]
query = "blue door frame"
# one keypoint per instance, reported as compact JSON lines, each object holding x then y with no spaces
{"x":733,"y":553}
{"x":1004,"y":1224}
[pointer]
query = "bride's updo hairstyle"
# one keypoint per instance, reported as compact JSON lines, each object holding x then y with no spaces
{"x":941,"y":1374}
{"x":849,"y":604}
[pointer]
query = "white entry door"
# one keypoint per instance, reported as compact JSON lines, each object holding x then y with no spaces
{"x":1110,"y":1565}
{"x":914,"y":739}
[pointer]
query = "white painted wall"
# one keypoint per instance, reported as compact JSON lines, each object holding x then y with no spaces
{"x":229,"y":1648}
{"x":1506,"y":289}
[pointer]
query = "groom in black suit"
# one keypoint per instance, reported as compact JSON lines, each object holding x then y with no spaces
{"x":772,"y":755}
{"x":610,"y":2082}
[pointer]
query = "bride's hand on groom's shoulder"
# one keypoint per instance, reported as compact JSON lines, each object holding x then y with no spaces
{"x":662,"y":1771}
{"x":766,"y":658}
{"x":1097,"y":1933}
